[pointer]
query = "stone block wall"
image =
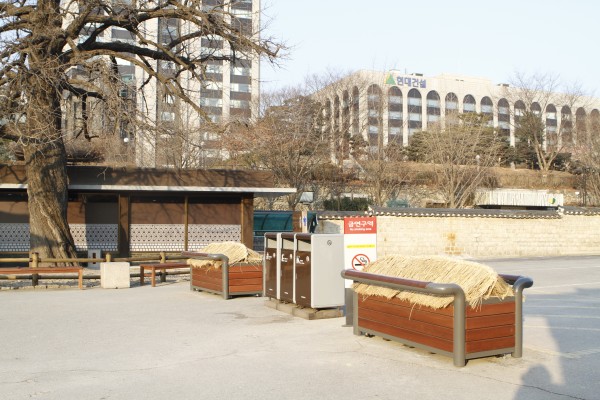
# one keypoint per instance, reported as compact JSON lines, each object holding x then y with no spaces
{"x":485,"y":236}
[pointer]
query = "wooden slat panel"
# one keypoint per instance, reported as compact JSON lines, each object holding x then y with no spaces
{"x":236,"y":282}
{"x":245,"y":288}
{"x":489,"y":309}
{"x":207,"y":281}
{"x":209,"y":286}
{"x":245,"y":268}
{"x":246,"y":275}
{"x":490,"y":320}
{"x":401,"y":309}
{"x":490,"y":333}
{"x":422,"y":328}
{"x":408,"y":335}
{"x":491,"y":344}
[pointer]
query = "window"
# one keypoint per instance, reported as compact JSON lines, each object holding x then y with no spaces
{"x":240,"y":104}
{"x":212,"y":85}
{"x":169,"y":98}
{"x":395,"y":114}
{"x":167,"y":116}
{"x":241,"y":87}
{"x":241,"y":71}
{"x":469,"y":104}
{"x":214,"y":69}
{"x":210,"y":102}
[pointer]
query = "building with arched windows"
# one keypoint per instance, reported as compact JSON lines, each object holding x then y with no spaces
{"x":388,"y":107}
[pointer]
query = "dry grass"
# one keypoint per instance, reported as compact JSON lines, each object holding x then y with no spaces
{"x":478,"y":281}
{"x":236,"y":252}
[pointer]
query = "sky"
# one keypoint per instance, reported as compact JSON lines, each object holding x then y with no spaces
{"x":488,"y":39}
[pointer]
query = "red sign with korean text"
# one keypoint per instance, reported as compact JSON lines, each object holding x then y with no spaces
{"x":360,"y":225}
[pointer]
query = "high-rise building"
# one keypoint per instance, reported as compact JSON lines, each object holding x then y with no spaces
{"x":174,"y":133}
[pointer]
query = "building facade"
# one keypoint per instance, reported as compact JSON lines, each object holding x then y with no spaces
{"x":135,"y":210}
{"x":389,"y":107}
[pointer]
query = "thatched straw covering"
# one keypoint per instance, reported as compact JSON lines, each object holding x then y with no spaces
{"x":478,"y":281}
{"x":236,"y":252}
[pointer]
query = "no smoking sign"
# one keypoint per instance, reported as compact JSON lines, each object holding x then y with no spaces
{"x":359,"y":261}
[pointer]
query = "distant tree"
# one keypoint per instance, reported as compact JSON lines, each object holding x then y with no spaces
{"x":287,"y":139}
{"x":461,"y":154}
{"x":51,"y":50}
{"x":380,"y":169}
{"x":534,"y":96}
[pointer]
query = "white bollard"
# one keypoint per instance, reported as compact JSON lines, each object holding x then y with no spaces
{"x":114,"y":275}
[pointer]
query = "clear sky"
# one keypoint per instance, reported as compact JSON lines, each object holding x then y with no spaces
{"x":489,"y":39}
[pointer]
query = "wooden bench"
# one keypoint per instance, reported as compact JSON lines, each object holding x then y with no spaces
{"x":161,"y":267}
{"x":43,"y":270}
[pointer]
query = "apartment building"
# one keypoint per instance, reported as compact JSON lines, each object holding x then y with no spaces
{"x":174,"y":134}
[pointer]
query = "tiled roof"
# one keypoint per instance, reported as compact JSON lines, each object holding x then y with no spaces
{"x":581,"y":211}
{"x":441,"y":212}
{"x":464,"y":212}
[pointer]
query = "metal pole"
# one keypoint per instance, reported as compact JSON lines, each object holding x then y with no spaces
{"x":520,"y":284}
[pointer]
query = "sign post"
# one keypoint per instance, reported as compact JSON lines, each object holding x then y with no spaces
{"x":360,"y":248}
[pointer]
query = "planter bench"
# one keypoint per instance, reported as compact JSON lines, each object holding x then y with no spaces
{"x":457,"y":331}
{"x":230,"y":280}
{"x":43,"y":270}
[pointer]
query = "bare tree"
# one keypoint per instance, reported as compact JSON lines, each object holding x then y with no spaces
{"x":53,"y":49}
{"x":287,"y":139}
{"x":461,"y":154}
{"x":539,"y":100}
{"x":589,"y":163}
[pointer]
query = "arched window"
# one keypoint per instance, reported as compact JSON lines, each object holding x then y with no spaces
{"x":566,"y":125}
{"x":374,"y":113}
{"x":336,"y":114}
{"x":415,"y":111}
{"x":469,"y":104}
{"x":504,"y":117}
{"x":433,"y":107}
{"x":519,"y":110}
{"x":355,"y":111}
{"x":451,"y":103}
{"x":581,"y":125}
{"x":551,"y":126}
{"x":595,"y":121}
{"x":487,"y":109}
{"x":395,"y":116}
{"x":536,"y":109}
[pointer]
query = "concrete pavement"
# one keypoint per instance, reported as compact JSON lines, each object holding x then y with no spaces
{"x":170,"y":342}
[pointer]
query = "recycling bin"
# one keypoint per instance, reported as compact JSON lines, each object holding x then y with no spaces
{"x":286,"y":276}
{"x":272,"y":265}
{"x":318,"y":262}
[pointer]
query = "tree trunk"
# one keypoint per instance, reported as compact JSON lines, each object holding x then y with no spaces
{"x":48,"y":199}
{"x":46,"y":167}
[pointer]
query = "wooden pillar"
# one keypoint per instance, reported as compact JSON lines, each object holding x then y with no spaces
{"x":124,"y":225}
{"x":247,"y":220}
{"x":185,"y":222}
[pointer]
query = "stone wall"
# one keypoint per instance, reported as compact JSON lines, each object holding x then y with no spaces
{"x":485,"y":234}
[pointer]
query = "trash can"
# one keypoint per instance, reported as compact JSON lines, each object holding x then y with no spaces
{"x":286,"y":277}
{"x":272,"y":264}
{"x":319,"y":260}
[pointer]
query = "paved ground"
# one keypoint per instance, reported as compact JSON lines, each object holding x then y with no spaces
{"x":170,"y":342}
